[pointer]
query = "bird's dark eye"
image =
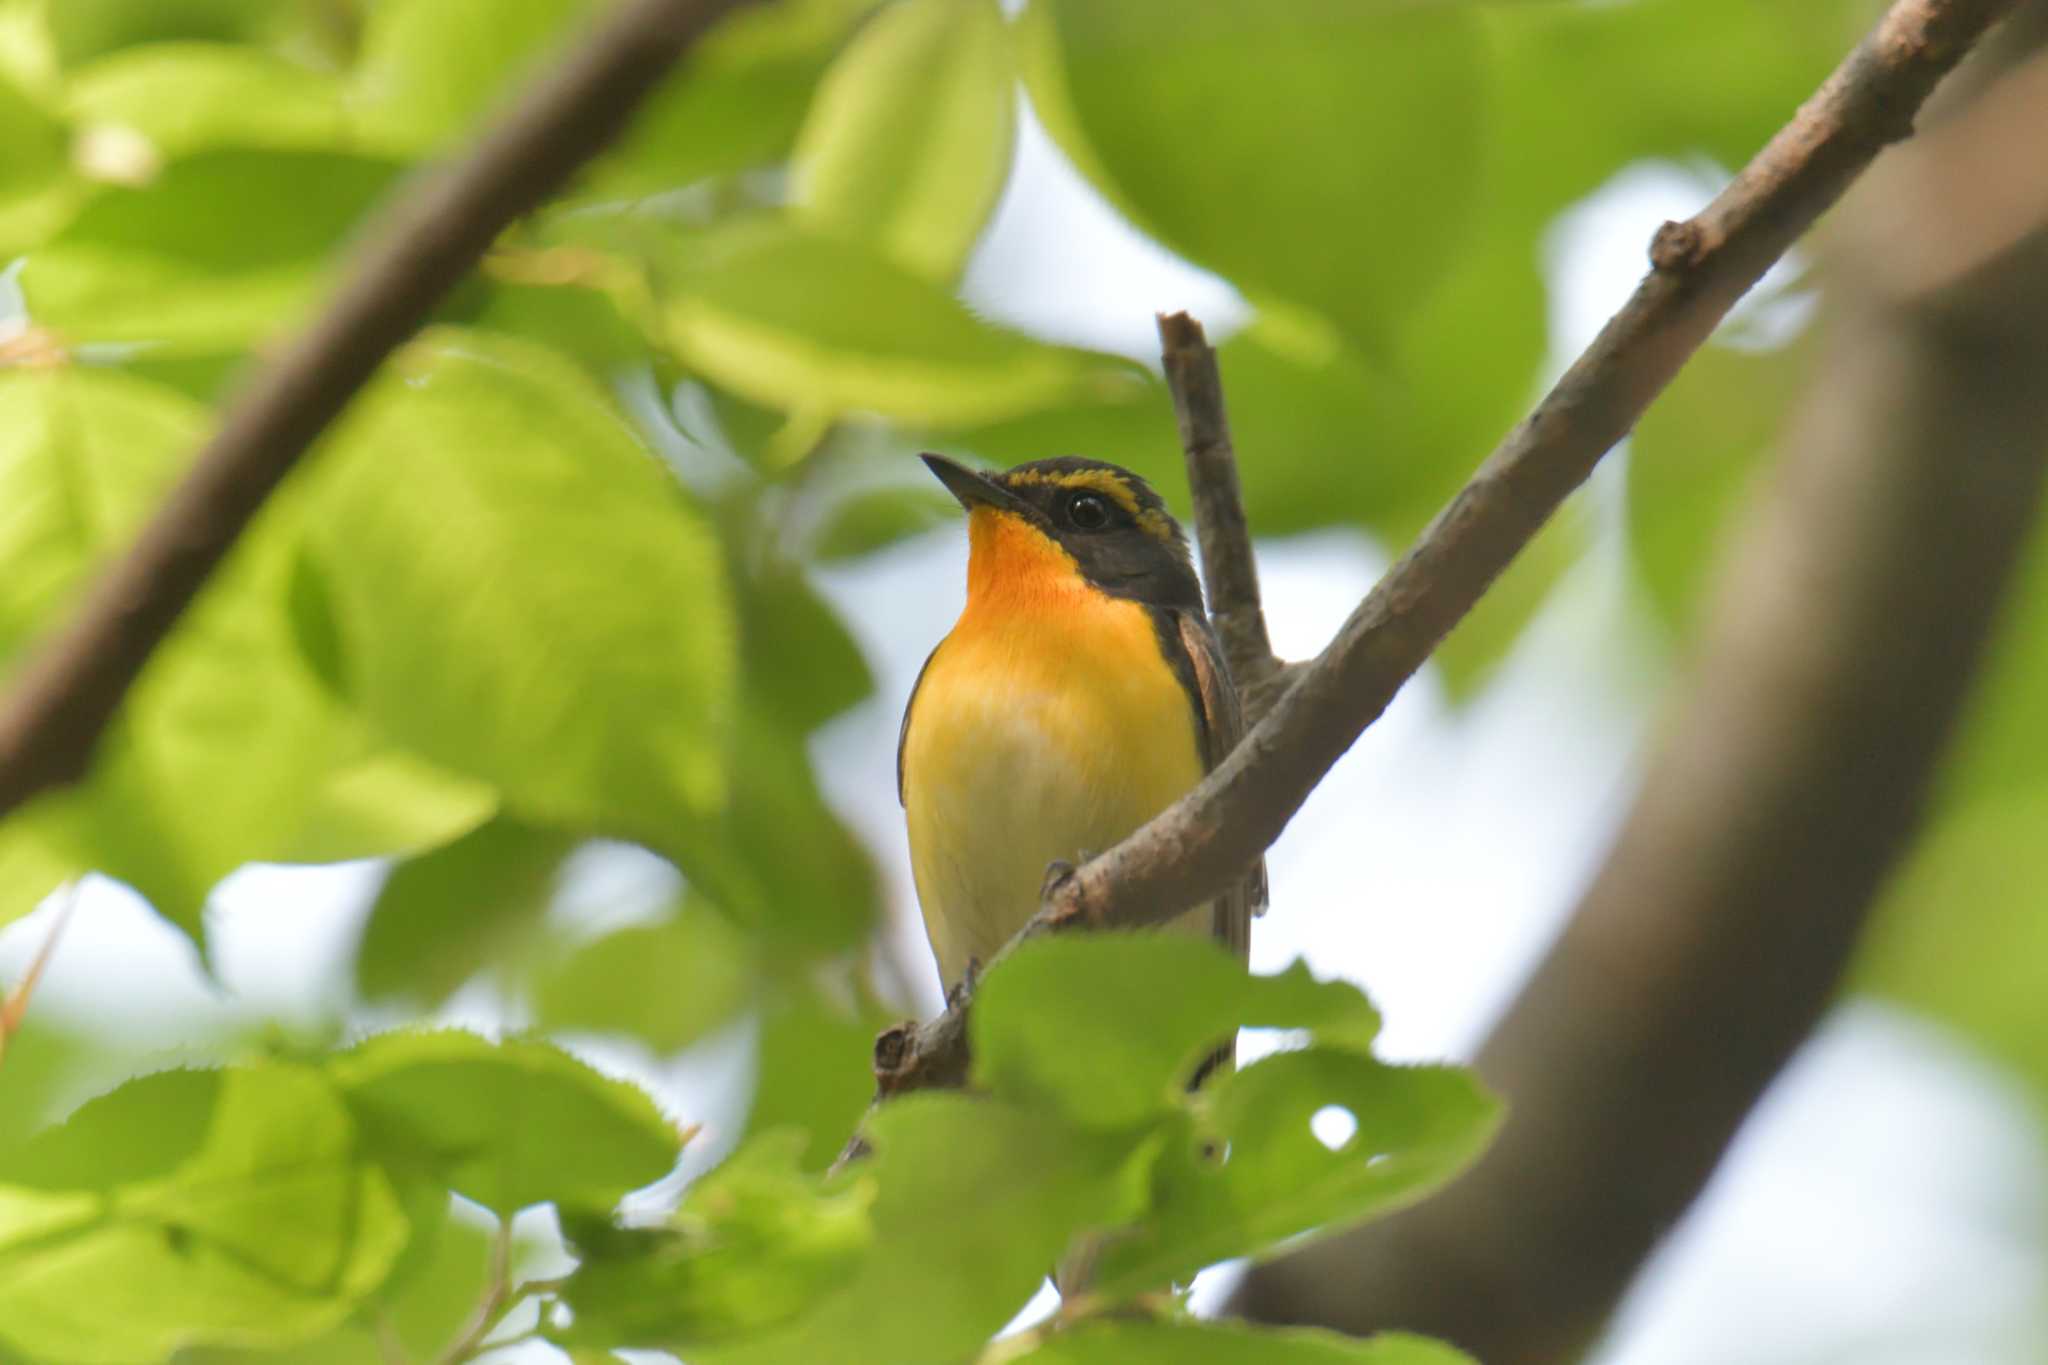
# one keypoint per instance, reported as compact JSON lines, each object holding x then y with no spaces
{"x":1088,"y":511}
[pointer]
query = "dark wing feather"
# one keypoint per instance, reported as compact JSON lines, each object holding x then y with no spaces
{"x":903,"y":730}
{"x":1199,"y":660}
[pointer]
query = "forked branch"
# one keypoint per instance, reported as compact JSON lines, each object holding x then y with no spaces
{"x":1699,"y":268}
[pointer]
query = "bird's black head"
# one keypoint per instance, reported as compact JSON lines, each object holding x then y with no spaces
{"x":1109,"y":520}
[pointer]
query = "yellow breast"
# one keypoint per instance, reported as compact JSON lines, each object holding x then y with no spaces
{"x":1047,"y":727}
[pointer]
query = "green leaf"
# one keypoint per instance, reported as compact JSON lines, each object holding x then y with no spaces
{"x":85,"y":29}
{"x":776,"y":858}
{"x":36,"y":154}
{"x":1111,"y":1027}
{"x":814,"y":1072}
{"x":384,"y":802}
{"x":444,"y":916}
{"x":2003,"y":745}
{"x":874,"y":518}
{"x":754,"y":1245}
{"x":192,"y":1208}
{"x":184,"y":97}
{"x":1963,"y":928}
{"x":973,"y":1201}
{"x":214,"y":758}
{"x":738,"y":102}
{"x":431,"y":1293}
{"x":668,"y":983}
{"x":215,"y":254}
{"x":822,"y":325}
{"x":1120,"y":1341}
{"x":908,"y":141}
{"x":1718,"y":79}
{"x":1416,"y":1127}
{"x":521,"y":593}
{"x":1693,"y":457}
{"x":1322,"y":153}
{"x":430,"y":70}
{"x":1469,"y":655}
{"x":801,"y":663}
{"x":508,"y":1124}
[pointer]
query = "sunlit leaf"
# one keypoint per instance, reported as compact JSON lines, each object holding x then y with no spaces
{"x":85,"y":29}
{"x":1416,"y":1127}
{"x":186,"y":96}
{"x":521,"y":593}
{"x":800,"y":660}
{"x":1692,"y":458}
{"x":216,"y":252}
{"x":188,"y":1208}
{"x":1115,"y":1341}
{"x":2003,"y":744}
{"x":34,"y":165}
{"x":1964,"y":927}
{"x":668,"y":983}
{"x":1110,"y":1027}
{"x":908,"y":140}
{"x":508,"y":1124}
{"x":738,"y":101}
{"x":442,"y":917}
{"x":813,"y":1073}
{"x":755,"y":1244}
{"x":431,"y":1293}
{"x":431,"y":69}
{"x":776,"y":858}
{"x":1321,"y":152}
{"x":973,"y":1202}
{"x":803,"y":321}
{"x":216,"y":755}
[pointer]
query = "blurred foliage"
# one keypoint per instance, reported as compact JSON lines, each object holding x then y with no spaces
{"x":553,"y":581}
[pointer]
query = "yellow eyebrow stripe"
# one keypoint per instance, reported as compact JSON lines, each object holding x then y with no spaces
{"x":1094,"y":480}
{"x":1153,"y":522}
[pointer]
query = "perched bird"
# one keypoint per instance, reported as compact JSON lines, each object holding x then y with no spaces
{"x":1080,"y":693}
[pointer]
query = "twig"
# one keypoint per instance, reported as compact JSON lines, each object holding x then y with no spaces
{"x":1227,"y":562}
{"x":426,"y":242}
{"x":14,"y":1007}
{"x":1700,"y":268}
{"x":491,"y":1305}
{"x":1844,"y":637}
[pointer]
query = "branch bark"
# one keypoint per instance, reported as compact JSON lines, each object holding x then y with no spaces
{"x":1699,"y":269}
{"x":426,"y":242}
{"x":1228,"y":566}
{"x":1845,"y":633}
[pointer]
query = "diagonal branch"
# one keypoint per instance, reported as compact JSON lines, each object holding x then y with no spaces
{"x":1699,"y":269}
{"x":62,"y":701}
{"x":1844,"y":636}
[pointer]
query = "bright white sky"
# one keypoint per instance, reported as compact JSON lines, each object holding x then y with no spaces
{"x":1888,"y":1204}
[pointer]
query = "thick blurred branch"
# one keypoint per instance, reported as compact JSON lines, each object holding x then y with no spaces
{"x":1841,"y":644}
{"x":62,"y":701}
{"x":1701,"y":267}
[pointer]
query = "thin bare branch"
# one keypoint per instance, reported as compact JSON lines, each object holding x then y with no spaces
{"x":1226,"y":540}
{"x":14,"y":1005}
{"x":426,"y":242}
{"x":1699,"y":269}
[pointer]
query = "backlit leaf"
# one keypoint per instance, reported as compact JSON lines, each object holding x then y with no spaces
{"x":1321,"y":152}
{"x":908,"y":140}
{"x":189,"y":1208}
{"x":522,"y":594}
{"x":508,"y":1124}
{"x":1116,"y":1341}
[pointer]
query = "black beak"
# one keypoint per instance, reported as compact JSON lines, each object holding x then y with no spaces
{"x":971,"y":488}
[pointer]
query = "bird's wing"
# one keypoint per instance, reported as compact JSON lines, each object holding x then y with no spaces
{"x":903,"y":730}
{"x":1199,"y":659}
